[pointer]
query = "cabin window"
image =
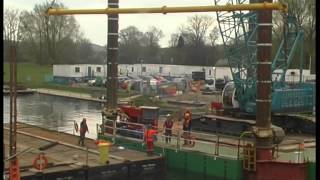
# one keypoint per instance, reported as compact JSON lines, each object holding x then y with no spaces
{"x":144,"y":69}
{"x":160,"y":69}
{"x":77,"y":69}
{"x":98,"y":69}
{"x":132,"y":69}
{"x":209,"y":71}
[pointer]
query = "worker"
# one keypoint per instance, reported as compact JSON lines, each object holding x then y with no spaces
{"x":167,"y":126}
{"x":149,"y":138}
{"x":83,"y":130}
{"x":187,"y":127}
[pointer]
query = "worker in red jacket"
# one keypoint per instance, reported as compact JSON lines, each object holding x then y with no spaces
{"x":83,"y":130}
{"x":149,"y":136}
{"x":167,"y":126}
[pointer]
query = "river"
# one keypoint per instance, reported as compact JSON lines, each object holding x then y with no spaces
{"x":55,"y":113}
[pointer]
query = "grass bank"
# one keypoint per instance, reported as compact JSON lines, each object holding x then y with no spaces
{"x":29,"y":74}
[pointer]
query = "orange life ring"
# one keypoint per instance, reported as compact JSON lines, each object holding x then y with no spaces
{"x":44,"y":162}
{"x":76,"y":127}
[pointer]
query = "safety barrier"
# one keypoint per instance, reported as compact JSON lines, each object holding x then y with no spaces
{"x":211,"y":144}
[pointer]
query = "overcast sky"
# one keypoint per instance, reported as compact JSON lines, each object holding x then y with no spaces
{"x":95,"y":26}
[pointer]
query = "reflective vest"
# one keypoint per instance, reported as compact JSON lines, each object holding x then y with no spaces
{"x":149,"y":135}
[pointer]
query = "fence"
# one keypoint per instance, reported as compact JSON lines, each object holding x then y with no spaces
{"x":210,"y":144}
{"x":216,"y":145}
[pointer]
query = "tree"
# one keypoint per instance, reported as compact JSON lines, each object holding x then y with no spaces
{"x":11,"y":30}
{"x":46,"y":32}
{"x":150,"y":42}
{"x":214,"y":35}
{"x":11,"y":24}
{"x":85,"y":51}
{"x":304,"y":13}
{"x":130,"y":44}
{"x":174,"y":40}
{"x":152,"y":37}
{"x":196,"y":29}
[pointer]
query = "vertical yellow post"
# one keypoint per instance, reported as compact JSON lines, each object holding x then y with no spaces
{"x":104,"y":152}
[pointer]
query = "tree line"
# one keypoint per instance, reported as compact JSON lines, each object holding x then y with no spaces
{"x":58,"y":39}
{"x":46,"y":39}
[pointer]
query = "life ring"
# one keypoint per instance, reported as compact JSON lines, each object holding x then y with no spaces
{"x":40,"y":162}
{"x":76,"y":127}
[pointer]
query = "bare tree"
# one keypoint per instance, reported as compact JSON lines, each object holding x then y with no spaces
{"x":173,"y":42}
{"x":130,"y":35}
{"x":196,"y":29}
{"x":11,"y":24}
{"x":304,"y":13}
{"x":152,"y":37}
{"x":45,"y":32}
{"x":130,"y":44}
{"x":214,"y":35}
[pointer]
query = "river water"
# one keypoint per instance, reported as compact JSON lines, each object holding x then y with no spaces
{"x":55,"y":113}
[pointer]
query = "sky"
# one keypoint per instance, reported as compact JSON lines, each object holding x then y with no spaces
{"x":94,"y":27}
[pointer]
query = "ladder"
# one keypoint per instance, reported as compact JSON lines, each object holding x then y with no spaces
{"x":249,"y":158}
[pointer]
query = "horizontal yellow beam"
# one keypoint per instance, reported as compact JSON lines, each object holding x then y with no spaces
{"x":164,"y":9}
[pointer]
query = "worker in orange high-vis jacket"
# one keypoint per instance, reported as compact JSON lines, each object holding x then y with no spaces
{"x":187,"y":128}
{"x":149,"y":136}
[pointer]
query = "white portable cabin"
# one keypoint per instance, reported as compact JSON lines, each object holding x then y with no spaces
{"x":163,"y":69}
{"x":94,"y":70}
{"x":78,"y":70}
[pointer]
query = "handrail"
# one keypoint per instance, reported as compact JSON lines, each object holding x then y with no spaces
{"x":214,"y":147}
{"x":217,"y":145}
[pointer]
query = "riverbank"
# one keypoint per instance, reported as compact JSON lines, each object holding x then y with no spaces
{"x":82,"y":96}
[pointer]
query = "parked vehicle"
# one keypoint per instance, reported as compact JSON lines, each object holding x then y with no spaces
{"x":91,"y":82}
{"x":210,"y":84}
{"x":220,"y":83}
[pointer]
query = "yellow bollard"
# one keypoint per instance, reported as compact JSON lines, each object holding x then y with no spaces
{"x":104,"y":152}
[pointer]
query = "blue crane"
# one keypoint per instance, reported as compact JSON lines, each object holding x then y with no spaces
{"x":239,"y":32}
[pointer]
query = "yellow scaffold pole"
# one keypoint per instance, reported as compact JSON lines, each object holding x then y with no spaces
{"x":228,"y":7}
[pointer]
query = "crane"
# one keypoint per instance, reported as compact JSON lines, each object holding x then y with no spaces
{"x":239,"y":33}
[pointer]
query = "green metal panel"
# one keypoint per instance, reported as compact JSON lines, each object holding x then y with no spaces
{"x":311,"y":171}
{"x":176,"y":160}
{"x":215,"y":167}
{"x":196,"y":162}
{"x":219,"y":168}
{"x":226,"y":168}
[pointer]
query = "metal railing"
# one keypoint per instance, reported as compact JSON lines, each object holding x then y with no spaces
{"x":210,"y":144}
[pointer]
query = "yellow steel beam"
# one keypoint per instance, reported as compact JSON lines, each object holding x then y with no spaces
{"x":164,"y":9}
